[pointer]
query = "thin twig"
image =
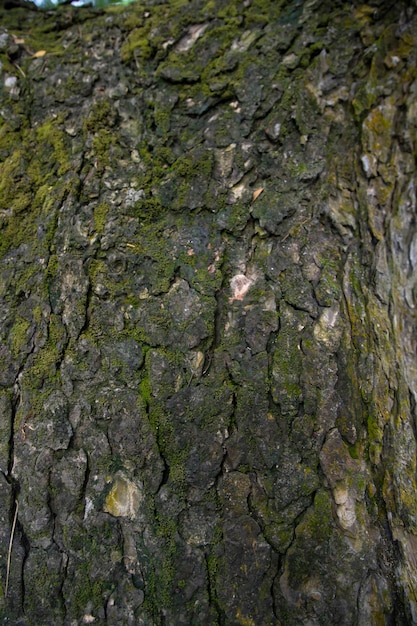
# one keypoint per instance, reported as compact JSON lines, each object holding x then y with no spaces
{"x":20,"y":70}
{"x":9,"y":554}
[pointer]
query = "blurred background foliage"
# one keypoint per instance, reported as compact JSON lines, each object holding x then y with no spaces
{"x":51,"y":4}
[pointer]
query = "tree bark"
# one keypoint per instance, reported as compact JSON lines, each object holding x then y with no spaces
{"x":208,"y":373}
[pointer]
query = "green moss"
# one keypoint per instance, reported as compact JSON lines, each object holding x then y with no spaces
{"x":177,"y":190}
{"x":375,"y":438}
{"x":137,"y":45}
{"x":19,"y":335}
{"x":44,"y":364}
{"x":96,"y":270}
{"x":145,"y":389}
{"x":73,"y":540}
{"x":51,"y":135}
{"x":45,"y":584}
{"x":102,"y":142}
{"x":37,"y":314}
{"x":364,"y":99}
{"x":52,"y":268}
{"x":356,"y":308}
{"x":312,"y":539}
{"x":328,"y":290}
{"x":319,"y":523}
{"x":355,"y":450}
{"x":147,"y":36}
{"x":29,"y":190}
{"x":161,"y":572}
{"x":101,"y":117}
{"x":149,"y":211}
{"x":88,"y":591}
{"x":15,"y":231}
{"x":44,"y":35}
{"x":11,"y":171}
{"x":162,"y":120}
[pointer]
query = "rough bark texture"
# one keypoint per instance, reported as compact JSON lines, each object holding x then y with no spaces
{"x":208,"y":325}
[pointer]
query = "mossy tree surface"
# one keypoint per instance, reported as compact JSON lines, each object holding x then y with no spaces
{"x":208,"y":252}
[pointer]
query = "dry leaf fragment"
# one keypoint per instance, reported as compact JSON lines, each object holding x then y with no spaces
{"x":257,"y":193}
{"x":38,"y":54}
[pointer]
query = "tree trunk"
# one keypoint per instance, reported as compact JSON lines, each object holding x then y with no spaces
{"x":208,"y":328}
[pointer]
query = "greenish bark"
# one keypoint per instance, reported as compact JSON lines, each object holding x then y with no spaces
{"x":208,"y":331}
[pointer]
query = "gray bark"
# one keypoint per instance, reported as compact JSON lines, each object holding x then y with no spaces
{"x":208,"y":374}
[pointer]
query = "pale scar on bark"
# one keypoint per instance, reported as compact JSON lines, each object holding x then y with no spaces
{"x":239,"y":286}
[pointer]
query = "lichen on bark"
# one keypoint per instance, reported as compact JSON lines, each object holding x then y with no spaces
{"x":207,"y":320}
